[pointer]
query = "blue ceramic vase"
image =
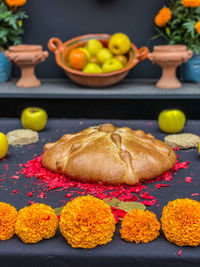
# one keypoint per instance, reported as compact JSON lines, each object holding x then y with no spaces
{"x":5,"y":68}
{"x":190,"y":71}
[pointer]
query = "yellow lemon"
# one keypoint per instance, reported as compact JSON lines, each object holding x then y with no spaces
{"x":199,"y":148}
{"x":3,"y":145}
{"x":171,"y":120}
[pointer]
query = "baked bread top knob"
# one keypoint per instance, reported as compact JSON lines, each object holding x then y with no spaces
{"x":108,"y":154}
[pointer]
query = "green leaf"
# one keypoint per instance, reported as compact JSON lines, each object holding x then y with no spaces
{"x":129,"y":206}
{"x":182,"y":26}
{"x":197,"y":10}
{"x":114,"y":202}
{"x":10,"y":30}
{"x":162,"y":34}
{"x":58,"y":210}
{"x":126,"y":206}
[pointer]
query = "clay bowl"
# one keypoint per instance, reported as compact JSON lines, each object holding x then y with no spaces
{"x":62,"y":51}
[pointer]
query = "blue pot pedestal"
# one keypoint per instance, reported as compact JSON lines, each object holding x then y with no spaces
{"x":190,"y":71}
{"x":5,"y":68}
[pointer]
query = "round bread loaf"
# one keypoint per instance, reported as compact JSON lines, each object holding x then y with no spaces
{"x":108,"y":154}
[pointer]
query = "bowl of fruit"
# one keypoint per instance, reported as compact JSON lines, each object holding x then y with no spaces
{"x":97,"y":60}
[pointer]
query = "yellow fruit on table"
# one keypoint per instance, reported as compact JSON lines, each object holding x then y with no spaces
{"x":34,"y":118}
{"x":171,"y":120}
{"x":199,"y":148}
{"x":119,"y":44}
{"x":3,"y":145}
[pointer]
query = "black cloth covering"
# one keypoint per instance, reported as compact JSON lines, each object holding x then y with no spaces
{"x":56,"y":251}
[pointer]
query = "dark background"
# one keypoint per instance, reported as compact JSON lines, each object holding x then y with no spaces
{"x":69,"y":18}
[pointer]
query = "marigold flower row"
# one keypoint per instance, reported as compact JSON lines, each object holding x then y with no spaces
{"x":86,"y":222}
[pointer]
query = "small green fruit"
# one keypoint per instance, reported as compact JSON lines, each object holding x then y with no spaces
{"x":94,"y":46}
{"x":92,"y":68}
{"x":104,"y":54}
{"x":171,"y":121}
{"x":112,"y":64}
{"x":34,"y":118}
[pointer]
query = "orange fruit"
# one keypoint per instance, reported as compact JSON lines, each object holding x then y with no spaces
{"x":77,"y":59}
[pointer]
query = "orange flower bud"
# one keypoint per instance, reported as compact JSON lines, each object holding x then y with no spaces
{"x":15,"y":3}
{"x":190,"y":3}
{"x":197,"y":27}
{"x":163,"y":16}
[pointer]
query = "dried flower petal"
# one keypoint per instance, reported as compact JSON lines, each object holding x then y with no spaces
{"x":123,"y":192}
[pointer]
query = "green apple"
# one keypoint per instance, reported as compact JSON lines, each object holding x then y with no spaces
{"x":94,"y":46}
{"x":119,"y":43}
{"x":104,"y":54}
{"x":171,"y":120}
{"x":92,"y":68}
{"x":34,"y":118}
{"x":112,"y":64}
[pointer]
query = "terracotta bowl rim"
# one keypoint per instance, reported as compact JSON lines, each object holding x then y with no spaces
{"x":25,"y":48}
{"x":170,"y":48}
{"x":109,"y":74}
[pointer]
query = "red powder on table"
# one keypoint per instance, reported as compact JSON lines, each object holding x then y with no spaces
{"x":188,"y":179}
{"x":53,"y":180}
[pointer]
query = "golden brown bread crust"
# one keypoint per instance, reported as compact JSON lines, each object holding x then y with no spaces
{"x":108,"y":154}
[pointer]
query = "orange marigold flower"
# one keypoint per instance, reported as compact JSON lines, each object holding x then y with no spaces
{"x":8,"y":217}
{"x":36,"y":222}
{"x":197,"y":27}
{"x":140,"y":226}
{"x":15,"y":3}
{"x":190,"y":3}
{"x":86,"y":222}
{"x":181,"y":222}
{"x":163,"y":16}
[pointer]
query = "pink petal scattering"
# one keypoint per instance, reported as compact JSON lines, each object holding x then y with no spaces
{"x":195,"y":194}
{"x":118,"y":213}
{"x":180,"y":252}
{"x":15,"y":191}
{"x":176,"y":148}
{"x":188,"y":179}
{"x":42,"y":195}
{"x":158,"y":186}
{"x":58,"y":182}
{"x":29,"y":194}
{"x":15,"y":177}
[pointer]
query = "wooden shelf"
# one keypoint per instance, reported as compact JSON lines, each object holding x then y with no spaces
{"x":127,"y":89}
